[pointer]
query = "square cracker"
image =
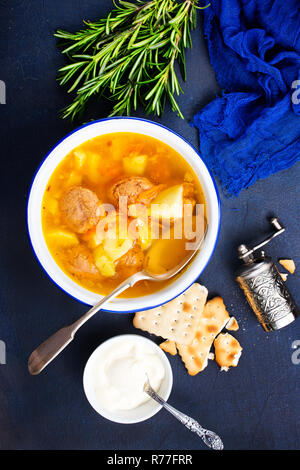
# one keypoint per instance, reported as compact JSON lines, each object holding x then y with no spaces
{"x":213,"y":319}
{"x":177,"y":320}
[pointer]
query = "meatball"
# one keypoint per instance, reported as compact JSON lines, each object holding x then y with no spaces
{"x":130,"y":186}
{"x":79,"y":261}
{"x":79,"y":209}
{"x":131,"y":262}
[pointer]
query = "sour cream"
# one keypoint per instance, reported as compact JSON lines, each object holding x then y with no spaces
{"x":119,"y":373}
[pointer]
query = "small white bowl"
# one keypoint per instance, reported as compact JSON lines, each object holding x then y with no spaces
{"x":87,"y":132}
{"x":142,"y":412}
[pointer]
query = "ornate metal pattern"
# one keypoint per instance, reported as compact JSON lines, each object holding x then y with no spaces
{"x":210,"y":438}
{"x":268,"y":296}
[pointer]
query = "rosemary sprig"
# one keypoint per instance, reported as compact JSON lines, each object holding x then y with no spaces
{"x":129,"y":56}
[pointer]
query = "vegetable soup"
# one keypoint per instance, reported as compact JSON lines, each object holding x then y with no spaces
{"x":118,"y":203}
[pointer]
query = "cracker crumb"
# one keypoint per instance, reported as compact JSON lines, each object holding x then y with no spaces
{"x":232,"y":325}
{"x":288,"y":264}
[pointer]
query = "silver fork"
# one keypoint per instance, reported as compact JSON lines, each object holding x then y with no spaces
{"x":209,"y":438}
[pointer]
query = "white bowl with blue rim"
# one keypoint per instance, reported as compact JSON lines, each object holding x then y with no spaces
{"x":87,"y":132}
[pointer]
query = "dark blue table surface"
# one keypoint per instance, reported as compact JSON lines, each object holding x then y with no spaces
{"x":254,"y":406}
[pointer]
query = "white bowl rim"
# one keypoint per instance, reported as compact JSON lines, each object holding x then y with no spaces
{"x":156,"y":407}
{"x":117,"y":304}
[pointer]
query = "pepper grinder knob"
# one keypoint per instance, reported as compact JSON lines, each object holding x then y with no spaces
{"x":246,"y":254}
{"x":276,"y":224}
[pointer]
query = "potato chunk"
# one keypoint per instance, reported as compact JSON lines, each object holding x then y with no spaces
{"x":63,"y":238}
{"x":164,"y":255}
{"x":51,"y":205}
{"x":79,"y":159}
{"x":144,"y":233}
{"x":117,"y":248}
{"x":135,"y":164}
{"x":105,"y":265}
{"x":92,"y":167}
{"x":169,"y":203}
{"x":74,"y":179}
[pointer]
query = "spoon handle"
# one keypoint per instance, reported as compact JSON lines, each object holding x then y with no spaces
{"x":53,"y":346}
{"x":130,"y":282}
{"x":209,"y":438}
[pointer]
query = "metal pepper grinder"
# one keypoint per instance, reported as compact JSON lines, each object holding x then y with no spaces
{"x":263,"y":286}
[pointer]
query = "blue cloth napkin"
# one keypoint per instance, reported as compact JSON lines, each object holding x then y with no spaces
{"x":253,"y":129}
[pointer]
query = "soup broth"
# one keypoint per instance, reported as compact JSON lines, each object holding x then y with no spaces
{"x":78,"y":214}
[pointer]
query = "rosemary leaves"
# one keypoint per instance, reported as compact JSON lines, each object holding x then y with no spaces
{"x":129,"y":56}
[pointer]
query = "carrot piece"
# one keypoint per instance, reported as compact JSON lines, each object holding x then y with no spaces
{"x":87,"y":235}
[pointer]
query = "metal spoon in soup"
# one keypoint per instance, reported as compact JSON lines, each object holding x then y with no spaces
{"x":49,"y":349}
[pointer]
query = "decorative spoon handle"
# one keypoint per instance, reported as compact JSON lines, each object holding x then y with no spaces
{"x":209,"y":438}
